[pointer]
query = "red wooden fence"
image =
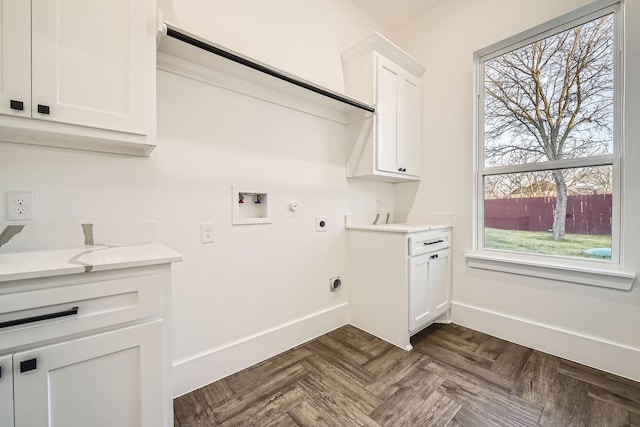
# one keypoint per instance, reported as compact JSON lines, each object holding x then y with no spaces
{"x":585,"y":214}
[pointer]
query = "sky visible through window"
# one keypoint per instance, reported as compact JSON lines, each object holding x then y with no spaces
{"x":551,"y":100}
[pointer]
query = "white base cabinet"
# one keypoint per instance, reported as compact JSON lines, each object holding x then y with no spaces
{"x":104,"y":380}
{"x":429,"y":292}
{"x":398,"y":283}
{"x":108,"y":364}
{"x":6,"y":390}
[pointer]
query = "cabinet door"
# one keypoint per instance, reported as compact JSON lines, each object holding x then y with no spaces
{"x":104,"y":380}
{"x":429,"y":288}
{"x":419,"y":290}
{"x":386,"y":136}
{"x":439,"y":282}
{"x":6,"y":391}
{"x":410,"y":125}
{"x":15,"y":57}
{"x":94,"y":62}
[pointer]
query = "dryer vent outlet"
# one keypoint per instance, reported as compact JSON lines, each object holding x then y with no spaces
{"x":335,"y":283}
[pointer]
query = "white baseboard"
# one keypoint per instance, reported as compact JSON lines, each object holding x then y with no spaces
{"x":216,"y":363}
{"x":591,"y":351}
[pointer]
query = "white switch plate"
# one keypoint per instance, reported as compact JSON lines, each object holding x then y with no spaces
{"x":20,"y":205}
{"x":206,"y":233}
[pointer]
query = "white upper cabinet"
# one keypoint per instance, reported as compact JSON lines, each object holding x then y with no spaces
{"x":15,"y":57}
{"x":79,"y":74}
{"x":386,"y":146}
{"x":409,"y":136}
{"x":90,"y":63}
{"x":388,"y":79}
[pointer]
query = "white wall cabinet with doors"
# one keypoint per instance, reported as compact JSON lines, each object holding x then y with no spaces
{"x":399,"y":280}
{"x":86,"y":349}
{"x":78,"y":74}
{"x":387,"y":145}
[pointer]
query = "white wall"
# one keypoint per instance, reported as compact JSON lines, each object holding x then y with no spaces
{"x":595,"y":326}
{"x":255,"y":277}
{"x":259,"y":289}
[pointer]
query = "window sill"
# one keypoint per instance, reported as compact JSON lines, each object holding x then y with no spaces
{"x":614,"y":279}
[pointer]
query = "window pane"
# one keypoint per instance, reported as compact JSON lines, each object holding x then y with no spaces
{"x":552,"y":99}
{"x":564,"y":212}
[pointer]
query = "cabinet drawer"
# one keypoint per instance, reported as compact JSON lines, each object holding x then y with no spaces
{"x":429,"y":241}
{"x":77,"y":307}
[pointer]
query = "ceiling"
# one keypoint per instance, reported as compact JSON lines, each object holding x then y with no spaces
{"x":395,"y":13}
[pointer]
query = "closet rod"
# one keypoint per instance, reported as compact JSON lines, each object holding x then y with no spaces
{"x":171,"y":32}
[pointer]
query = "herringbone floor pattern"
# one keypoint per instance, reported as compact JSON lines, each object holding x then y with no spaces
{"x":454,"y":377}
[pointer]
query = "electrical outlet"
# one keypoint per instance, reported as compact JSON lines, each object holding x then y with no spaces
{"x":321,"y":223}
{"x":20,"y":205}
{"x":206,"y":233}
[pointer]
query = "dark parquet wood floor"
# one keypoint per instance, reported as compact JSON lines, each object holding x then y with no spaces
{"x":454,"y":377}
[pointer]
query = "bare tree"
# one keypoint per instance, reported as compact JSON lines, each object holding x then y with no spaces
{"x":552,"y":100}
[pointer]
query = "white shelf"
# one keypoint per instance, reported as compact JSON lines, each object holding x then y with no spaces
{"x":185,"y":54}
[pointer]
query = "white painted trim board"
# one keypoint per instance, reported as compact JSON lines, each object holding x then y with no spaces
{"x":607,"y":356}
{"x":216,"y":363}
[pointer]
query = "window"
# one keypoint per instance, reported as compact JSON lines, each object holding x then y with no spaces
{"x":549,"y":141}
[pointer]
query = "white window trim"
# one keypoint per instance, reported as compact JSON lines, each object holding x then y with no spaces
{"x":608,"y":274}
{"x":564,"y":272}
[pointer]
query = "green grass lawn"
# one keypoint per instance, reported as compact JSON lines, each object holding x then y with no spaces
{"x":542,"y":242}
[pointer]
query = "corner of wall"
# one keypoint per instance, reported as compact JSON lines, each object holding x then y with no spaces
{"x":216,"y":363}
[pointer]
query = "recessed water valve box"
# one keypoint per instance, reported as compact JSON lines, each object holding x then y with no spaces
{"x":250,"y":206}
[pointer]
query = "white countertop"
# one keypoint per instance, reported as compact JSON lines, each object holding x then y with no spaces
{"x":398,"y":228}
{"x":57,"y":262}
